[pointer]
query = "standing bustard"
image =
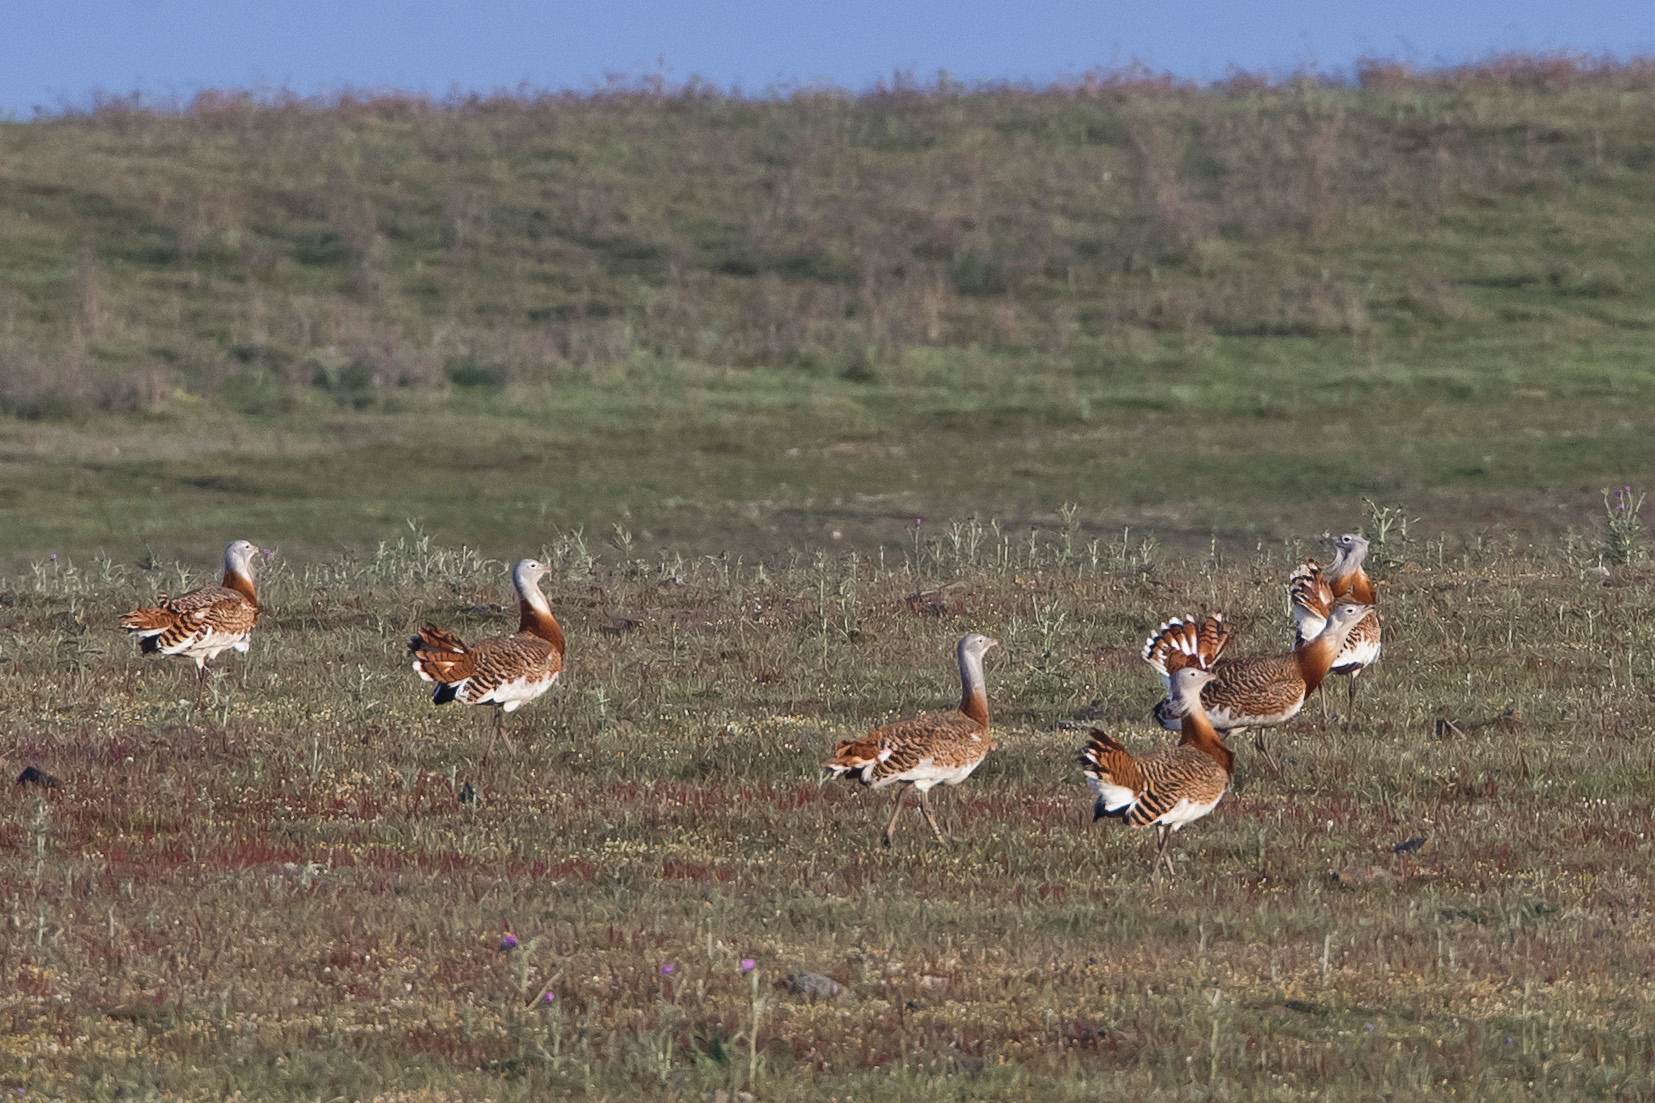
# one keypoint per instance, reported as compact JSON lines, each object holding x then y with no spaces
{"x":205,"y":621}
{"x":926,"y":750}
{"x":1257,"y":692}
{"x":506,"y":671}
{"x":1170,"y":788}
{"x":1315,"y":592}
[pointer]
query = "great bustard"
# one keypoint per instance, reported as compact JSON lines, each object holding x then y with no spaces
{"x":205,"y":621}
{"x":1314,"y":592}
{"x":1256,"y":692}
{"x":1172,"y":787}
{"x":504,"y":671}
{"x":934,"y":748}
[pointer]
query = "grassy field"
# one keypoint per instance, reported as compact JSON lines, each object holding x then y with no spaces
{"x":300,"y":889}
{"x":690,"y":459}
{"x":743,"y":325}
{"x":792,"y":393}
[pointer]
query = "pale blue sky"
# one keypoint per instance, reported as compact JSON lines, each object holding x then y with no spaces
{"x":58,"y":52}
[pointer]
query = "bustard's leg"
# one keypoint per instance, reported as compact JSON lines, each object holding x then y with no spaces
{"x":890,"y":828}
{"x":1272,"y":764}
{"x":201,"y":677}
{"x":1350,"y":699}
{"x":500,"y":734}
{"x":1321,"y":692}
{"x":925,"y":806}
{"x":1161,"y":854}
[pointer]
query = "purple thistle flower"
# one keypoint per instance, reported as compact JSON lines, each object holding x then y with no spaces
{"x":54,"y":555}
{"x":548,"y":996}
{"x":748,"y":965}
{"x":268,"y":553}
{"x":508,"y":943}
{"x":668,"y":970}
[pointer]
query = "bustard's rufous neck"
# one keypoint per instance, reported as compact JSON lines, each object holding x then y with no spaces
{"x":1359,"y":587}
{"x":973,"y":689}
{"x":1346,"y":575}
{"x":534,"y":614}
{"x":238,"y":570}
{"x":1197,"y":730}
{"x":1316,"y":657}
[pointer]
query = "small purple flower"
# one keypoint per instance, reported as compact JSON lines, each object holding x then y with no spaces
{"x":548,"y":996}
{"x":748,"y":965}
{"x":918,"y":521}
{"x":508,"y":943}
{"x":53,"y":556}
{"x":668,"y":970}
{"x":268,"y":553}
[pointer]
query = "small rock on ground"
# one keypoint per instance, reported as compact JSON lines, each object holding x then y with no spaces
{"x":816,"y":985}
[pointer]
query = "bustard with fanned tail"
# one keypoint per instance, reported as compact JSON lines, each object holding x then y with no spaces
{"x":1259,"y":691}
{"x":1167,"y":789}
{"x":1314,"y":592}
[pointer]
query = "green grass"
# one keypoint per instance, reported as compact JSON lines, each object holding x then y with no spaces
{"x":283,"y":892}
{"x":690,"y":458}
{"x":741,"y":326}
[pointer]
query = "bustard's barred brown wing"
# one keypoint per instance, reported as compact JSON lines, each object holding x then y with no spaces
{"x":947,"y":741}
{"x":487,"y":671}
{"x":177,"y":622}
{"x":1258,"y":688}
{"x":1147,"y":790}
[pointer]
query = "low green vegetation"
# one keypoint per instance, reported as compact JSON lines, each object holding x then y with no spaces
{"x":301,"y":886}
{"x":742,"y":325}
